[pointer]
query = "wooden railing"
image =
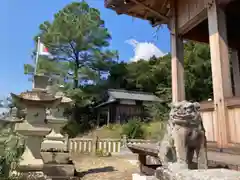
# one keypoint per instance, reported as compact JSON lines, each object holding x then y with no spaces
{"x":84,"y":145}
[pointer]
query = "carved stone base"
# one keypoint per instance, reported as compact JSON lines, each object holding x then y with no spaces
{"x":53,"y":144}
{"x":36,"y":175}
{"x":57,"y":157}
{"x":176,"y":172}
{"x":60,"y":170}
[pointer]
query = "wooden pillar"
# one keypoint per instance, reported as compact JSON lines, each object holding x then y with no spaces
{"x":222,"y":86}
{"x":108,"y":115}
{"x":98,"y":117}
{"x":94,"y":143}
{"x":178,"y":85}
{"x":142,"y":162}
{"x":236,"y":72}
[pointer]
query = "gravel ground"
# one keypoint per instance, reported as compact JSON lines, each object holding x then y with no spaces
{"x":104,"y":168}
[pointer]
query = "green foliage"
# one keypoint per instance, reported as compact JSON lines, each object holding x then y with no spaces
{"x":133,"y":129}
{"x":72,"y":128}
{"x":12,"y":147}
{"x":47,"y":66}
{"x":76,"y":36}
{"x":151,"y":130}
{"x":83,"y":121}
{"x":158,"y":111}
{"x":103,"y":153}
{"x":198,"y":76}
{"x":154,"y":130}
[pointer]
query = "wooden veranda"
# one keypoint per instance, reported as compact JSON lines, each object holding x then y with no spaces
{"x":209,"y":21}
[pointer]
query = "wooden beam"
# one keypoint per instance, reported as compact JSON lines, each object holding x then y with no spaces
{"x":178,"y":85}
{"x":224,"y":2}
{"x":222,"y":87}
{"x":236,"y":72}
{"x":193,"y":22}
{"x":164,"y":18}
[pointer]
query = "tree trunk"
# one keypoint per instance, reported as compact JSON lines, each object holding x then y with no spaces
{"x":75,"y":83}
{"x":76,"y":74}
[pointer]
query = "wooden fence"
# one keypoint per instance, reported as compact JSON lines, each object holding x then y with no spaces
{"x":84,"y":145}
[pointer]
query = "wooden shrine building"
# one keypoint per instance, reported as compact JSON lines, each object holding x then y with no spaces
{"x":209,"y":21}
{"x":121,"y":105}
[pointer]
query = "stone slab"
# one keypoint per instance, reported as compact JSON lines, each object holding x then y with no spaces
{"x":35,"y":175}
{"x":175,"y":172}
{"x":137,"y":176}
{"x":64,"y":178}
{"x":150,"y":160}
{"x":65,"y":170}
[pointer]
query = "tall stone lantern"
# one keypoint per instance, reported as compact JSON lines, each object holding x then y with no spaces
{"x":33,"y":128}
{"x":56,"y":120}
{"x":54,"y":147}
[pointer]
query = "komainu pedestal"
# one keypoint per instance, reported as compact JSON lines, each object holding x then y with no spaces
{"x":175,"y":172}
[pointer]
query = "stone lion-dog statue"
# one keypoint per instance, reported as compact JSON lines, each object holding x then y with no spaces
{"x":185,"y":136}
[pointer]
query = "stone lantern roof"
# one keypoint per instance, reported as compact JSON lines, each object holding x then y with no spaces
{"x":36,"y":97}
{"x":65,"y":100}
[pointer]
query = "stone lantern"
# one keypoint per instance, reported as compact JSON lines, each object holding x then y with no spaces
{"x":56,"y":120}
{"x":33,"y":128}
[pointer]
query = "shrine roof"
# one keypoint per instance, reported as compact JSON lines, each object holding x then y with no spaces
{"x":132,"y":95}
{"x":155,"y":11}
{"x":121,"y":94}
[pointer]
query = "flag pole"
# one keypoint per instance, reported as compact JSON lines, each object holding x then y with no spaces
{"x":36,"y":60}
{"x":37,"y":55}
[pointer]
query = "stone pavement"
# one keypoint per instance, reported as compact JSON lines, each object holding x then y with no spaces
{"x":175,"y":172}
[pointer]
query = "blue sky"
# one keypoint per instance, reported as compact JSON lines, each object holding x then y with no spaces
{"x":20,"y":21}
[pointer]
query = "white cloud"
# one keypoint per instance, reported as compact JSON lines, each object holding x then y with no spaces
{"x":144,"y":50}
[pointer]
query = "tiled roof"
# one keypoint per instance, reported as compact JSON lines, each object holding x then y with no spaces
{"x":132,"y":95}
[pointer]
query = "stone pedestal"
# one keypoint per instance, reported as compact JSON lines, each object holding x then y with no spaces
{"x":176,"y":172}
{"x":31,"y":158}
{"x":54,"y":151}
{"x":55,"y":140}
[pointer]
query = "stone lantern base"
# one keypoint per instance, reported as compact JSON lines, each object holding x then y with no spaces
{"x":54,"y":151}
{"x":31,"y":159}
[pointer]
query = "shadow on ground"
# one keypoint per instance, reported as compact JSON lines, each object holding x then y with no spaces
{"x":95,"y":171}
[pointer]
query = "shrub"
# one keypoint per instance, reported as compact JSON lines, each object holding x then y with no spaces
{"x":103,"y":153}
{"x":13,"y":148}
{"x":158,"y":111}
{"x":155,"y":130}
{"x":133,"y":129}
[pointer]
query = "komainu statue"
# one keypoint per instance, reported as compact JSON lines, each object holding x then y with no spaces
{"x":185,"y":136}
